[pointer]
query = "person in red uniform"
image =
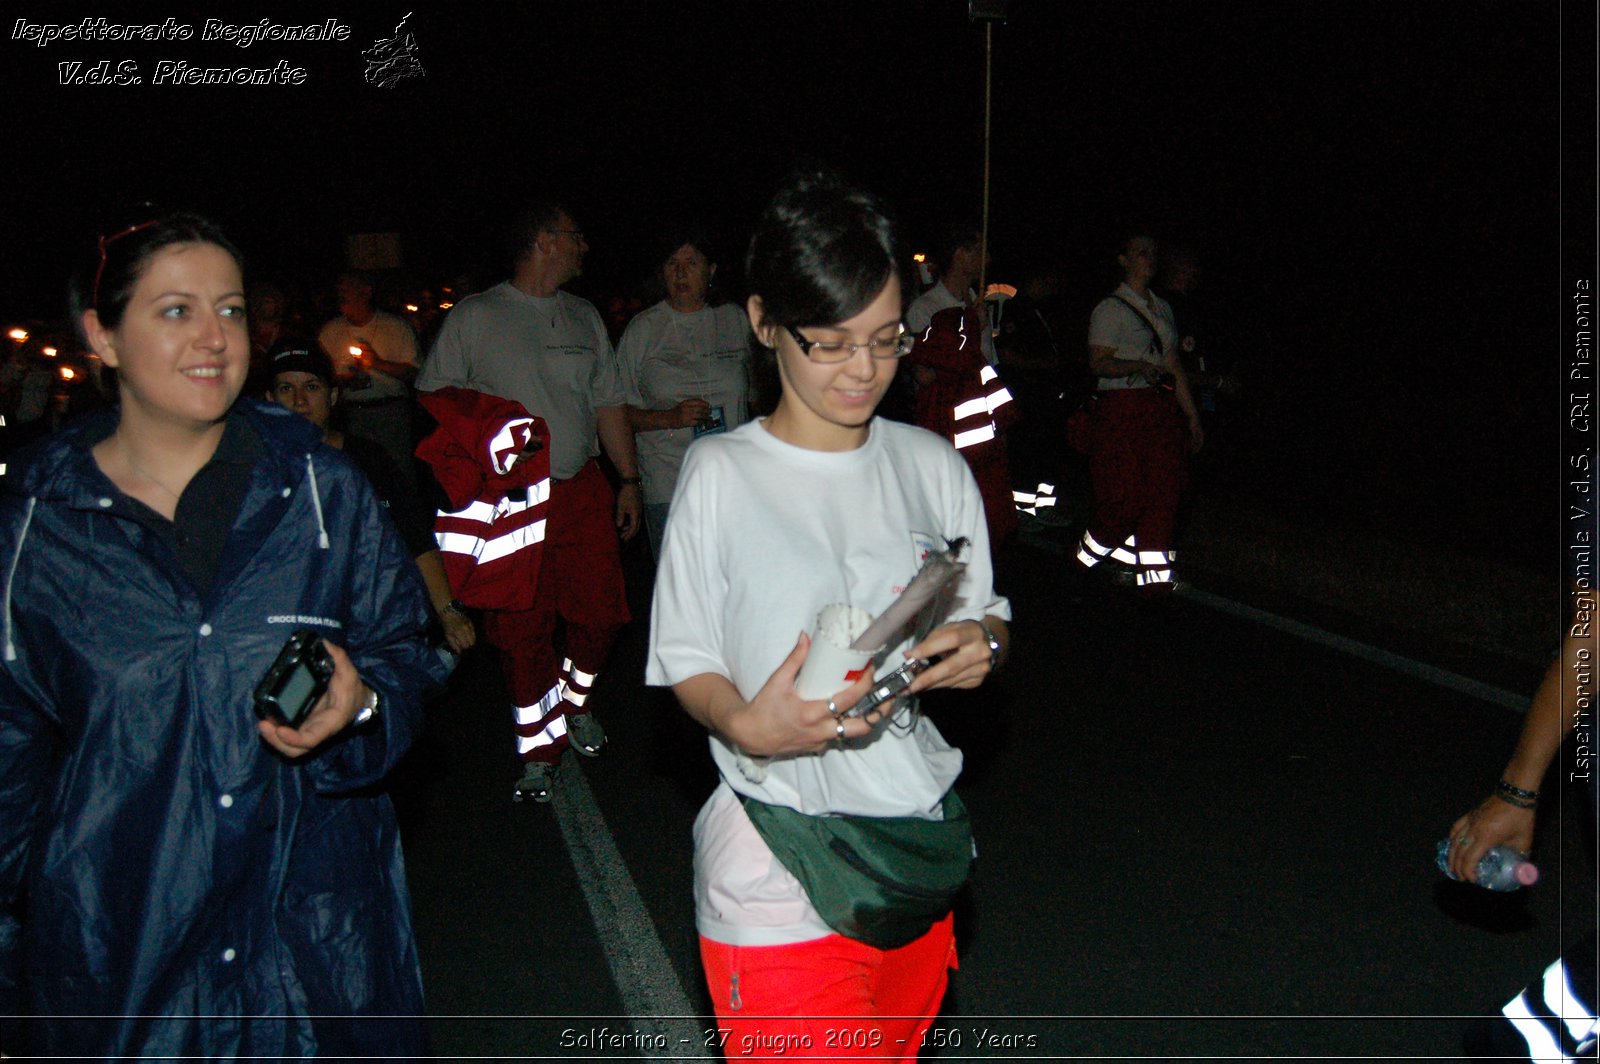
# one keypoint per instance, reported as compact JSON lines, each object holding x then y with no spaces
{"x":1137,"y":459}
{"x":959,"y":394}
{"x":528,"y":340}
{"x":961,"y":397}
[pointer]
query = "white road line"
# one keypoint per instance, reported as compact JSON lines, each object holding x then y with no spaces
{"x":643,"y":974}
{"x":1429,"y":673}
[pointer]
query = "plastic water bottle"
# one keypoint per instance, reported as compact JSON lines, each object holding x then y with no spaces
{"x":1502,"y":868}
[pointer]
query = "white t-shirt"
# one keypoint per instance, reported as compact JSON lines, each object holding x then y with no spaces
{"x":1114,"y":324}
{"x":762,"y":535}
{"x":550,"y":354}
{"x":666,"y":357}
{"x":389,"y":336}
{"x":922,"y":309}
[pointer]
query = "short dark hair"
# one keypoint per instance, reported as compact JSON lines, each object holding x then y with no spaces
{"x":539,"y":216}
{"x":951,"y":236}
{"x":1128,"y":235}
{"x":822,"y":250}
{"x":675,"y":237}
{"x":105,"y":280}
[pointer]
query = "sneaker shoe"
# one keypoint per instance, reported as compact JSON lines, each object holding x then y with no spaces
{"x":585,"y":734}
{"x":537,"y":778}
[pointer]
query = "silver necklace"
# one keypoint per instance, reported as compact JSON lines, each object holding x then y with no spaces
{"x":127,"y":453}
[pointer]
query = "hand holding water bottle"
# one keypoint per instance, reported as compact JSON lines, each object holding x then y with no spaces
{"x":1496,"y":822}
{"x":1501,"y":868}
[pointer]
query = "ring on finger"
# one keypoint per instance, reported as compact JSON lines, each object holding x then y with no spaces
{"x":833,"y":710}
{"x":838,"y":730}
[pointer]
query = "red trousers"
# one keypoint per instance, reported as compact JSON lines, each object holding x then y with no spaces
{"x":991,"y":468}
{"x":580,"y":586}
{"x":831,"y":998}
{"x":1137,"y":465}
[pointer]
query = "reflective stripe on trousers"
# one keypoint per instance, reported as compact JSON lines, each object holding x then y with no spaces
{"x":1040,"y":498}
{"x":1556,"y":1024}
{"x":1155,"y":566}
{"x":544,"y":723}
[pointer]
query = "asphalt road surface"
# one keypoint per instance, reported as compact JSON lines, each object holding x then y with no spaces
{"x":1200,"y":837}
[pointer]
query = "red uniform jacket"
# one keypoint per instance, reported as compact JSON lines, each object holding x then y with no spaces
{"x":491,"y":541}
{"x":966,"y":402}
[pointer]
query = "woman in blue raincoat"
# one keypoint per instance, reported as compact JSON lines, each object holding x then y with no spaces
{"x":193,"y":880}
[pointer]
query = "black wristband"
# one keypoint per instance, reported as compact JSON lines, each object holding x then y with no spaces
{"x":1509,"y":792}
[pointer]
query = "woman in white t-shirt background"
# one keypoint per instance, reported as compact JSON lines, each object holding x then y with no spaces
{"x":820,"y":502}
{"x":685,"y":362}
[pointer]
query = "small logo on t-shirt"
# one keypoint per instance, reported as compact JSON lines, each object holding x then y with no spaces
{"x":924,"y":544}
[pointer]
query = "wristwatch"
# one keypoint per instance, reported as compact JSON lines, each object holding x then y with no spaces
{"x":368,"y":710}
{"x":994,"y":645}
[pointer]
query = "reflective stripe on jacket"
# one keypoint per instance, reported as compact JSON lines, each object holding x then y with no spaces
{"x":492,"y":538}
{"x":967,"y":403}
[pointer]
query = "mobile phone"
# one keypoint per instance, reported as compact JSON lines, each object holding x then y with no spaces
{"x":296,"y":679}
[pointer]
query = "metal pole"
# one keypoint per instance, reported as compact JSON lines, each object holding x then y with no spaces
{"x":988,"y":62}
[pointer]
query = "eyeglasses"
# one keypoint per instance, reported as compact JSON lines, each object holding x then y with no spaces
{"x":576,"y":234}
{"x":826,"y":351}
{"x":105,"y":242}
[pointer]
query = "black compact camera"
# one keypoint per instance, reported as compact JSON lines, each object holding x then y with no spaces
{"x":296,"y":680}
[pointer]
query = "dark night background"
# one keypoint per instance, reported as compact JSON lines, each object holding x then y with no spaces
{"x":1373,"y":187}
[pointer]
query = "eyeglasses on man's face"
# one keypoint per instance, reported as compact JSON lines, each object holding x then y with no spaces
{"x":826,"y":351}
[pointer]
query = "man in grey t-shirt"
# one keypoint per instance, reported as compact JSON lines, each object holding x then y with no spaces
{"x":526,"y":339}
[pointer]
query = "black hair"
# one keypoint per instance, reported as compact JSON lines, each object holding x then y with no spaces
{"x":112,"y":267}
{"x":667,"y":242}
{"x":951,"y":237}
{"x":538,"y":216}
{"x":691,"y":233}
{"x":1126,"y":236}
{"x":823,"y":249}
